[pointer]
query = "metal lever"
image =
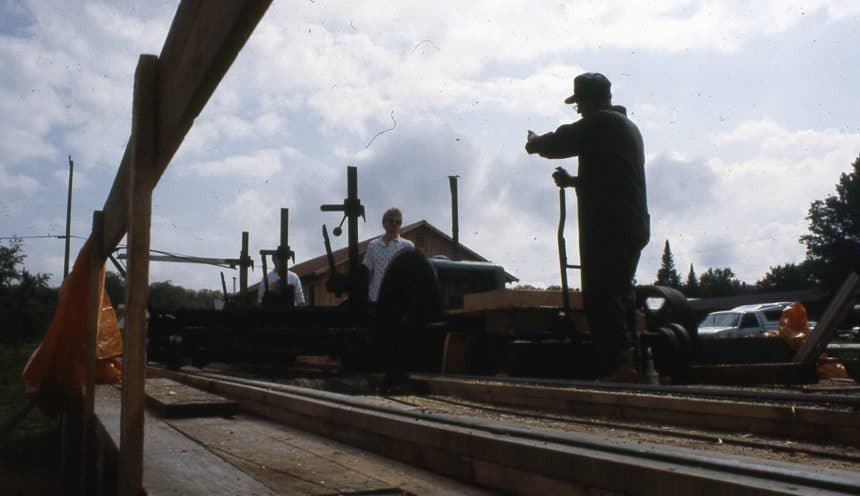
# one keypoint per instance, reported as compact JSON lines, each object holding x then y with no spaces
{"x":337,"y":231}
{"x":328,"y":252}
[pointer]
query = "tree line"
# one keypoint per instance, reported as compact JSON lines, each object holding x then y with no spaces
{"x":832,"y":251}
{"x":27,"y":302}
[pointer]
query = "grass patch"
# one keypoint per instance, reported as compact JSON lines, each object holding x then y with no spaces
{"x":13,"y":357}
{"x":34,"y":440}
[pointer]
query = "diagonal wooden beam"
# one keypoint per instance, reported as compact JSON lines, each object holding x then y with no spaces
{"x":834,"y":315}
{"x":170,"y":92}
{"x":204,"y":40}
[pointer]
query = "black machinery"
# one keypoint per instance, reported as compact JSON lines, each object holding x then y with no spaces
{"x":415,"y":314}
{"x":276,"y":331}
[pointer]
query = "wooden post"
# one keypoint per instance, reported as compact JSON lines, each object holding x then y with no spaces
{"x":141,"y":182}
{"x":94,"y":300}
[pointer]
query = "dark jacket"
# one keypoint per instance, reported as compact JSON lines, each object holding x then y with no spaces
{"x":611,"y":195}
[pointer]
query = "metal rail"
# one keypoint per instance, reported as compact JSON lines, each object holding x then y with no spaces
{"x":826,"y":421}
{"x":489,"y":453}
{"x":721,"y":393}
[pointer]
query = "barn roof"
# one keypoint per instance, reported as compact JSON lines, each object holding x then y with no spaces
{"x":319,"y":265}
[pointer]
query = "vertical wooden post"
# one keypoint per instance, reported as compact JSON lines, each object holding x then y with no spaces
{"x":94,"y":300}
{"x":141,"y":183}
{"x":72,"y":427}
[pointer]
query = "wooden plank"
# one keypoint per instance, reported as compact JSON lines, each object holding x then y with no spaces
{"x":752,"y":374}
{"x":833,"y":316}
{"x":517,"y":298}
{"x":528,"y":321}
{"x":175,"y":464}
{"x":457,"y":353}
{"x":141,"y":182}
{"x":171,"y":399}
{"x":204,"y":40}
{"x":290,"y":461}
{"x":94,"y":301}
{"x":458,"y":448}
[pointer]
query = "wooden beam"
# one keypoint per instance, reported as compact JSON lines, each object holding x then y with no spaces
{"x":203,"y":42}
{"x":141,"y":183}
{"x":94,"y":301}
{"x":752,"y":374}
{"x":833,"y":316}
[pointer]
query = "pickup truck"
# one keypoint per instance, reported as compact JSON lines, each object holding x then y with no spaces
{"x":742,"y":321}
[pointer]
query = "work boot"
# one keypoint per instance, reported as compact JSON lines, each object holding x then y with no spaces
{"x":625,"y":368}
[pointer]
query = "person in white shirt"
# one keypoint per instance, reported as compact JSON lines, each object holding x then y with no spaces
{"x":274,"y":284}
{"x":381,"y":251}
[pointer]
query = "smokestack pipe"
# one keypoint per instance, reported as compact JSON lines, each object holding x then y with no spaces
{"x":455,"y":223}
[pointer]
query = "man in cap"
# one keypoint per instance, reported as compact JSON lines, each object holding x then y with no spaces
{"x":612,"y":210}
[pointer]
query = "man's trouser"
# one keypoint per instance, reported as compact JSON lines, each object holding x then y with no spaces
{"x":608,"y":269}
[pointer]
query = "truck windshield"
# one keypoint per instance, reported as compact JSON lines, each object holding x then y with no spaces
{"x":772,"y":316}
{"x":721,"y":319}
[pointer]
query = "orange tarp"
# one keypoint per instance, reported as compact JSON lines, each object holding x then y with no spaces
{"x":794,"y":329}
{"x":58,"y":366}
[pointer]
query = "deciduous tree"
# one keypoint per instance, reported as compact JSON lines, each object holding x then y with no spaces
{"x":787,"y":277}
{"x":833,"y":242}
{"x":719,"y":282}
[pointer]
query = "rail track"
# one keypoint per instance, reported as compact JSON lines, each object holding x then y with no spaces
{"x":797,"y":416}
{"x":518,"y":456}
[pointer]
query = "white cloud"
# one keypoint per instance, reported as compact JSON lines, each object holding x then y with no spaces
{"x":261,"y":165}
{"x":746,"y":212}
{"x":17,"y":182}
{"x":318,"y":80}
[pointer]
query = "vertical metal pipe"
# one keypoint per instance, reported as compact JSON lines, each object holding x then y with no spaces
{"x":285,"y":228}
{"x":68,"y":218}
{"x":284,"y":247}
{"x":243,"y":267}
{"x":455,"y":218}
{"x":352,"y":217}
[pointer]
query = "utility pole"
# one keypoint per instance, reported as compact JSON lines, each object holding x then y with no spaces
{"x":68,"y":218}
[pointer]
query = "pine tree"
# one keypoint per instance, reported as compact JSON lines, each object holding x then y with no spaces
{"x":692,"y":286}
{"x":667,"y":275}
{"x":833,"y":242}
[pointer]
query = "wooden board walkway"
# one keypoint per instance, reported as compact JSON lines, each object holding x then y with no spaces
{"x":245,"y":455}
{"x":173,"y":463}
{"x":517,"y":459}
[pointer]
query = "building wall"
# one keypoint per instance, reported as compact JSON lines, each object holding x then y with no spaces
{"x":431,"y":244}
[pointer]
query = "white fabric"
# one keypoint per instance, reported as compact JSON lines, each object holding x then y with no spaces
{"x":292,"y":280}
{"x":379,"y":255}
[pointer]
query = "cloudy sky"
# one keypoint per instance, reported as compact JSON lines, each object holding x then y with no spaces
{"x":749,"y":112}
